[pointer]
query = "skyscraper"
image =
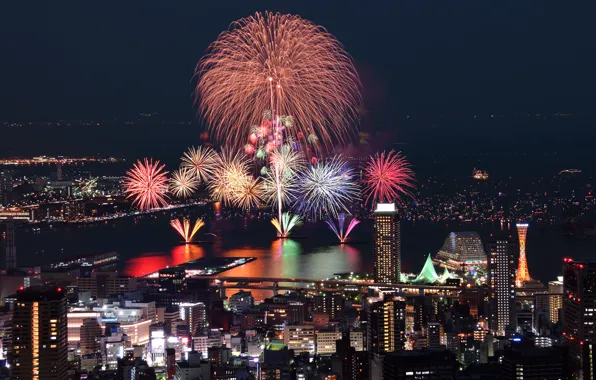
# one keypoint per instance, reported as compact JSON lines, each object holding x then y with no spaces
{"x":501,"y":280}
{"x":387,"y":244}
{"x":579,"y":306}
{"x":523,"y":274}
{"x":386,"y":325}
{"x":39,"y":343}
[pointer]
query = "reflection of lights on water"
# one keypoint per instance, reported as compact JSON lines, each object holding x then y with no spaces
{"x":146,"y":265}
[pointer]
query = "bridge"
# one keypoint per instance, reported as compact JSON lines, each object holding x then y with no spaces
{"x":273,"y":283}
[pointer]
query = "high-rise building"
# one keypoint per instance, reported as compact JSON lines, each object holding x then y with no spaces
{"x":386,"y":326}
{"x":90,"y":331}
{"x":523,"y":274}
{"x":387,"y":244}
{"x":589,"y":361}
{"x":579,"y":306}
{"x":555,"y":299}
{"x":195,"y":315}
{"x":501,"y":280}
{"x":39,"y":341}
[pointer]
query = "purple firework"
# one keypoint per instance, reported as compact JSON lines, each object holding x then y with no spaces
{"x":339,"y":228}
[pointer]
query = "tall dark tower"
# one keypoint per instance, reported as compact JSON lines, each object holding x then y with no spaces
{"x":579,"y":318}
{"x":39,"y":335}
{"x":387,"y":244}
{"x":10,"y":248}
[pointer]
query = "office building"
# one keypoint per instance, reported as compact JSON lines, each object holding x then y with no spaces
{"x":39,"y":336}
{"x":501,"y":281}
{"x":555,"y":299}
{"x":195,"y":316}
{"x":300,"y":338}
{"x":357,"y":340}
{"x":326,"y":341}
{"x":353,"y":363}
{"x":75,"y":321}
{"x":193,"y":368}
{"x":385,"y":330}
{"x":433,"y":335}
{"x":241,"y":302}
{"x":535,"y":363}
{"x":90,"y":331}
{"x":588,"y":361}
{"x":387,"y":244}
{"x":579,"y":306}
{"x":105,"y":284}
{"x":422,"y":364}
{"x":172,"y":280}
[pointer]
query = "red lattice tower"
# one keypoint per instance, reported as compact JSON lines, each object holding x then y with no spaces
{"x":522,"y":267}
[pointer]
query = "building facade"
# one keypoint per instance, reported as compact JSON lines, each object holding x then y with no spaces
{"x":579,"y":306}
{"x":501,"y":280}
{"x":39,"y":342}
{"x":300,"y":338}
{"x":387,"y":244}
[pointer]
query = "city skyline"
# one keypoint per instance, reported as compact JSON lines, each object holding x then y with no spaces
{"x":297,"y":191}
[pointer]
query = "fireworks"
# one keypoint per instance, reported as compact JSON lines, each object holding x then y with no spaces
{"x":200,"y":161}
{"x":183,"y":228}
{"x":183,"y":183}
{"x":326,"y":187}
{"x":226,"y":182}
{"x":269,"y":65}
{"x":288,"y":222}
{"x":339,"y":228}
{"x":279,"y":185}
{"x":249,"y":194}
{"x":387,"y":176}
{"x":147,"y":184}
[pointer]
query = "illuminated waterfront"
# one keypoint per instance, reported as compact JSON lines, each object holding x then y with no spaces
{"x":149,"y":243}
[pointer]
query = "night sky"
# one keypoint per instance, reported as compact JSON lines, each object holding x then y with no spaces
{"x":102,"y":59}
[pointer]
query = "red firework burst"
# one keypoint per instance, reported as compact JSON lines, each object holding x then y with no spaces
{"x":388,"y":177}
{"x":147,"y":184}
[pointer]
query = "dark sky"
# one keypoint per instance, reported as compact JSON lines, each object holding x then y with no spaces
{"x":96,"y":59}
